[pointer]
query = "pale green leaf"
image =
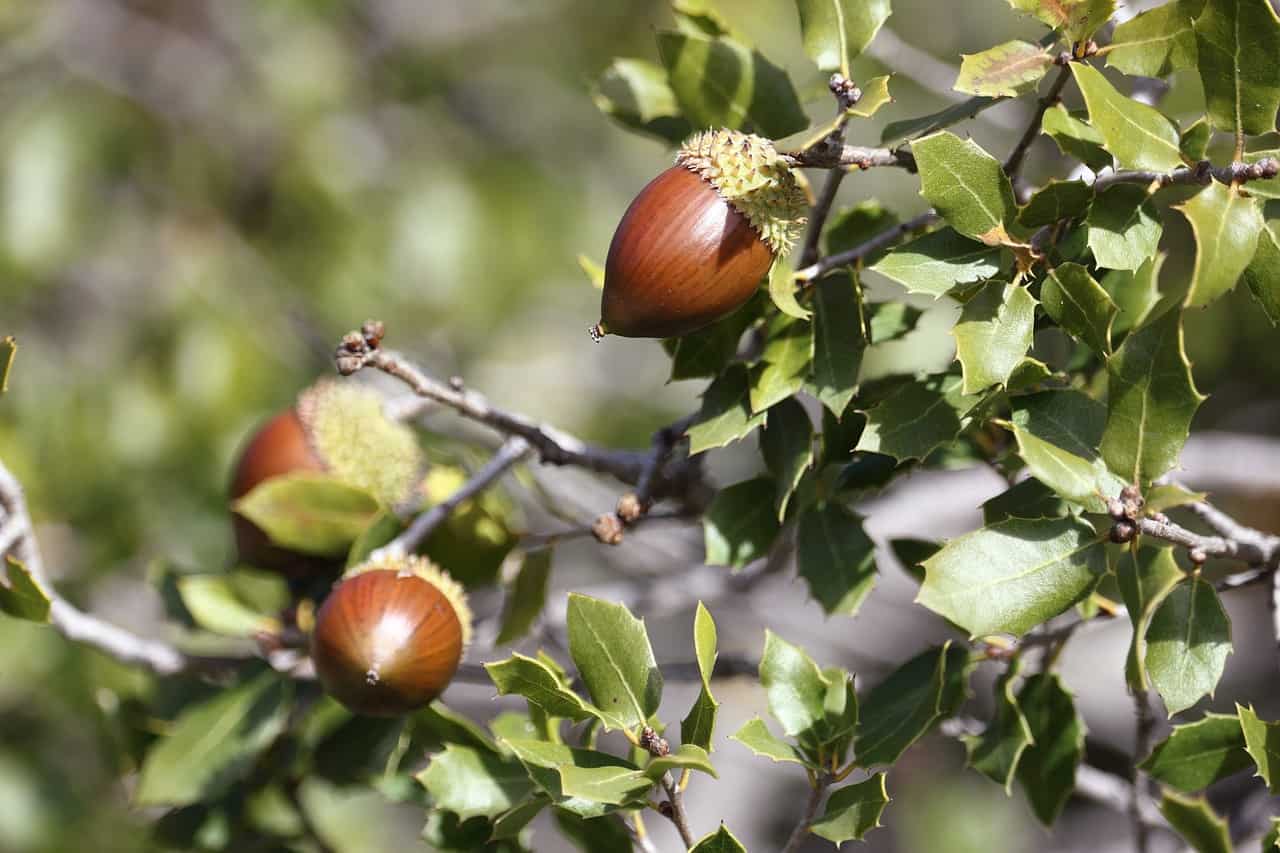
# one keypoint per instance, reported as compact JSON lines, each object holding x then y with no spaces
{"x":1006,"y":70}
{"x":1188,"y":641}
{"x":212,"y":602}
{"x":1058,"y":433}
{"x":310,"y":513}
{"x":966,"y":185}
{"x":938,"y":261}
{"x":1145,"y":575}
{"x":21,"y":596}
{"x":1262,"y":742}
{"x":875,"y":94}
{"x":1196,"y":822}
{"x":687,"y":757}
{"x":1138,"y":135}
{"x":615,"y":661}
{"x":993,"y":334}
{"x":699,"y":724}
{"x":795,"y":687}
{"x":537,"y":682}
{"x":1078,"y":19}
{"x":1135,"y":293}
{"x":8,"y":352}
{"x":636,"y":94}
{"x":472,"y":782}
{"x":1226,"y":223}
{"x":782,"y":289}
{"x":526,"y":596}
{"x":755,"y":736}
{"x":1075,"y":137}
{"x":892,"y":320}
{"x":1157,"y":42}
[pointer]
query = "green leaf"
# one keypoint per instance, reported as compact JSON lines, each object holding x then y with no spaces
{"x":755,"y":736}
{"x":611,"y":650}
{"x":704,"y":643}
{"x":1027,"y":499}
{"x":916,"y":418}
{"x":1226,"y":222}
{"x":309,"y":513}
{"x":896,"y":132}
{"x":875,"y":94}
{"x":214,"y":743}
{"x":587,"y":782}
{"x":612,"y":785}
{"x":794,"y":685}
{"x":1124,"y":228}
{"x":905,"y":706}
{"x":993,"y":333}
{"x":892,"y":320}
{"x":740,"y":524}
{"x":511,"y":823}
{"x":1078,"y":19}
{"x":1271,"y":841}
{"x":1006,"y":70}
{"x":1262,"y":741}
{"x":699,"y":724}
{"x":1188,"y":641}
{"x":852,"y":811}
{"x":1168,"y":495}
{"x":786,"y":443}
{"x":1145,"y":577}
{"x":996,"y":752}
{"x":912,"y":552}
{"x":1047,"y":771}
{"x":1013,"y":575}
{"x":8,"y":352}
{"x":1058,"y":434}
{"x":720,"y":841}
{"x":835,"y":557}
{"x":1079,"y":305}
{"x":787,"y":355}
{"x":1262,"y":276}
{"x":1138,"y":135}
{"x":725,"y":415}
{"x":1075,"y":137}
{"x":526,"y":596}
{"x":1151,"y":400}
{"x":834,"y":32}
{"x":839,"y":339}
{"x":709,"y":350}
{"x":1054,"y":202}
{"x":22,"y":596}
{"x":635,"y":93}
{"x":966,"y":185}
{"x":687,"y":757}
{"x":1135,"y":293}
{"x":535,"y":681}
{"x":782,"y":290}
{"x":472,"y":782}
{"x":1192,"y":818}
{"x":1157,"y":42}
{"x":1198,"y":754}
{"x":212,"y":602}
{"x":1238,"y":42}
{"x":935,"y":263}
{"x":720,"y":83}
{"x":850,"y":227}
{"x":1194,"y":139}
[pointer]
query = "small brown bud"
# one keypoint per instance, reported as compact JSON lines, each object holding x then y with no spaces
{"x":348,"y":364}
{"x":1115,"y":508}
{"x":1198,"y":556}
{"x":1123,"y":531}
{"x":373,"y":331}
{"x":651,"y":741}
{"x":664,"y":808}
{"x":629,"y":507}
{"x":1130,"y":493}
{"x":608,"y":529}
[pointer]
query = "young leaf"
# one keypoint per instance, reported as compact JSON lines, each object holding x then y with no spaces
{"x":1138,"y":135}
{"x":1196,"y":822}
{"x":917,"y":418}
{"x":611,"y":650}
{"x":1145,"y":577}
{"x":1262,"y":276}
{"x":852,"y":811}
{"x":1226,"y":223}
{"x":725,"y":415}
{"x":1196,"y":755}
{"x":794,"y":685}
{"x":526,"y":596}
{"x":584,"y":781}
{"x":22,"y":597}
{"x":1157,"y":42}
{"x":782,"y":290}
{"x":935,"y":263}
{"x":1075,"y":137}
{"x":1078,"y":19}
{"x":212,"y":603}
{"x":635,"y":93}
{"x":875,"y":94}
{"x":786,"y":443}
{"x":1011,"y":576}
{"x":1079,"y":305}
{"x":1151,"y":399}
{"x":839,"y":340}
{"x":1047,"y":770}
{"x":996,"y":752}
{"x":1238,"y":42}
{"x":835,"y":557}
{"x":1262,"y":741}
{"x":755,"y":736}
{"x":1055,"y":201}
{"x":310,"y":513}
{"x":740,"y":524}
{"x":537,"y":682}
{"x":834,"y":32}
{"x":720,"y":841}
{"x":471,"y":782}
{"x":1188,"y":641}
{"x":1006,"y":70}
{"x":1124,"y":228}
{"x":905,"y":706}
{"x":993,"y":333}
{"x":785,"y":363}
{"x":966,"y":185}
{"x":614,"y":786}
{"x":699,"y":724}
{"x":1058,"y":434}
{"x":687,"y":757}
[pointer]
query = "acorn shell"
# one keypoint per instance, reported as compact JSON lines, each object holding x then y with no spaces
{"x":388,"y":642}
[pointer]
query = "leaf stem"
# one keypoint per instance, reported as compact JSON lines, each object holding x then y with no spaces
{"x":817,"y":789}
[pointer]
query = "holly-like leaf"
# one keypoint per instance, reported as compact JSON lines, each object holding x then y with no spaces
{"x":1237,"y":43}
{"x":1226,"y":222}
{"x":938,"y":261}
{"x":896,"y":132}
{"x":687,"y":757}
{"x":1156,"y":42}
{"x":471,"y":782}
{"x":784,"y":364}
{"x":1075,"y":137}
{"x":839,"y":339}
{"x":1188,"y":641}
{"x":1145,"y":576}
{"x":542,"y":686}
{"x":1027,"y":499}
{"x":966,"y":185}
{"x":1124,"y":228}
{"x":709,"y":350}
{"x":699,"y":724}
{"x":587,"y":782}
{"x":786,"y":443}
{"x":996,"y":752}
{"x":993,"y":334}
{"x":1047,"y":769}
{"x":1006,"y":70}
{"x":835,"y":557}
{"x":725,"y":415}
{"x":611,"y":650}
{"x":875,"y":94}
{"x":1151,"y":399}
{"x":1138,"y":135}
{"x":852,"y":811}
{"x":905,"y":706}
{"x":1262,"y":742}
{"x":740,"y":524}
{"x":1169,"y":495}
{"x":755,"y":736}
{"x":589,"y":834}
{"x":917,"y":417}
{"x":1262,"y":276}
{"x":720,"y":841}
{"x":1196,"y":755}
{"x":720,"y":83}
{"x":1078,"y":19}
{"x":1194,"y":139}
{"x":795,"y":686}
{"x":526,"y":596}
{"x":1054,"y":202}
{"x":1079,"y":305}
{"x":636,"y":94}
{"x":1135,"y":293}
{"x":1196,"y":822}
{"x":22,"y":596}
{"x":1058,"y":434}
{"x":310,"y":513}
{"x":835,"y":32}
{"x":1011,"y":576}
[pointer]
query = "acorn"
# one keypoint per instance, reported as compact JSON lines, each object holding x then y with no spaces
{"x":390,"y":636}
{"x":696,"y":242}
{"x":335,"y":428}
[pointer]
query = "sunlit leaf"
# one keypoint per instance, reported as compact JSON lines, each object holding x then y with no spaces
{"x":1145,"y":576}
{"x":1138,"y":135}
{"x":1157,"y":42}
{"x":852,"y":811}
{"x":1188,"y":641}
{"x":1009,"y":69}
{"x":966,"y":185}
{"x":834,"y":32}
{"x":993,"y":334}
{"x":615,"y":661}
{"x":1227,"y":223}
{"x":1196,"y":755}
{"x":938,"y":261}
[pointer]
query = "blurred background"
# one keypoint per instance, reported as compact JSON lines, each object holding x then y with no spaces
{"x":198,"y":198}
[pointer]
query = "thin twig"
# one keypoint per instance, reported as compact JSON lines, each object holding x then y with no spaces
{"x":845,"y":156}
{"x":678,"y":815}
{"x":1144,"y":726}
{"x":1013,"y":165}
{"x":1202,"y":173}
{"x":801,"y":831}
{"x":890,"y":235}
{"x":1212,"y":546}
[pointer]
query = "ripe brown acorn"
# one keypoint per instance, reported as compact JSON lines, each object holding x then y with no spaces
{"x":695,"y":243}
{"x":390,"y":636}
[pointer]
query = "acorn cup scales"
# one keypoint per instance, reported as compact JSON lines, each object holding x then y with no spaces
{"x":696,"y":242}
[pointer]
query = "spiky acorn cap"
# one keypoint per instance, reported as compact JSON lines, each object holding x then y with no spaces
{"x":749,"y":173}
{"x":412,"y":564}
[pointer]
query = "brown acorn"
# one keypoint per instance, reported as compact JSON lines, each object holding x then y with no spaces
{"x":696,"y":242}
{"x":390,"y":636}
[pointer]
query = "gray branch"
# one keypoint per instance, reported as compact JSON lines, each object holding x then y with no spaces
{"x":1202,"y":173}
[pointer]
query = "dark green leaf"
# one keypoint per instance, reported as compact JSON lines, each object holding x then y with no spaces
{"x":1006,"y":70}
{"x":1079,"y":305}
{"x":852,"y":811}
{"x":850,"y":227}
{"x":720,"y":841}
{"x":938,"y":261}
{"x":1188,"y":641}
{"x":1075,"y":137}
{"x":593,"y":834}
{"x":913,"y":128}
{"x":725,"y":415}
{"x":905,"y":706}
{"x":1198,"y":754}
{"x":471,"y":782}
{"x":1157,"y":42}
{"x":755,"y":736}
{"x":836,"y":31}
{"x":615,"y":661}
{"x":839,"y":339}
{"x":966,"y":185}
{"x":1145,"y":576}
{"x":996,"y":752}
{"x":542,"y":686}
{"x":1226,"y":222}
{"x":636,"y":94}
{"x":708,"y":351}
{"x":526,"y":596}
{"x":1054,"y":202}
{"x":916,"y":418}
{"x":892,"y":320}
{"x":836,"y":558}
{"x":1263,"y":273}
{"x":1124,"y":228}
{"x":993,"y":333}
{"x":1192,"y":818}
{"x":22,"y":597}
{"x":912,"y":552}
{"x":310,"y":513}
{"x":1238,"y":42}
{"x":1135,"y":293}
{"x":1138,"y":135}
{"x":1262,"y":741}
{"x":786,"y":443}
{"x":1194,"y":139}
{"x":741,"y":523}
{"x":1027,"y":499}
{"x":1047,"y":770}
